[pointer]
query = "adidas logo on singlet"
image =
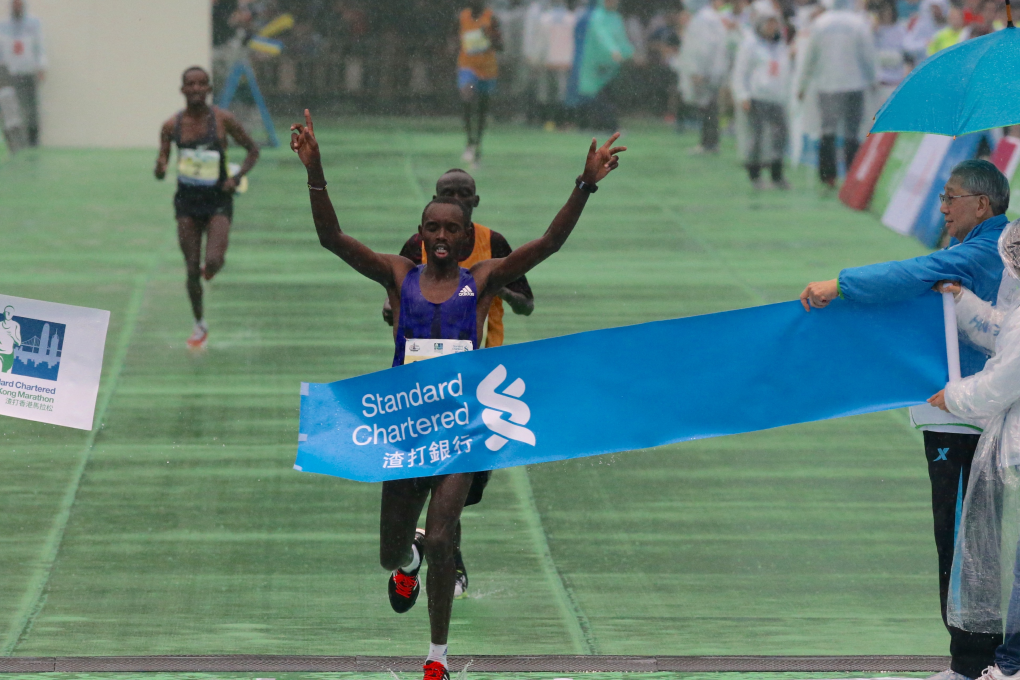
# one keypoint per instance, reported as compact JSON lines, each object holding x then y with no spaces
{"x":466,"y":292}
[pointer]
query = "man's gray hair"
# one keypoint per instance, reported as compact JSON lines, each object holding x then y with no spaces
{"x":981,"y":177}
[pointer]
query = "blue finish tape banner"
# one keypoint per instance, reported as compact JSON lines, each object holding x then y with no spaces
{"x":625,"y":388}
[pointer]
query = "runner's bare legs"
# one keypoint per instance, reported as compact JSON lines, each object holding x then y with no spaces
{"x":189,"y":235}
{"x":448,"y":495}
{"x":216,"y":240}
{"x":402,"y":502}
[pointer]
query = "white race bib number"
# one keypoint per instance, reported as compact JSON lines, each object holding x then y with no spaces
{"x":475,"y":42}
{"x":200,"y":167}
{"x":419,"y":350}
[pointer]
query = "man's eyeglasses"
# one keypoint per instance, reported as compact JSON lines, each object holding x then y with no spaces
{"x":947,"y":199}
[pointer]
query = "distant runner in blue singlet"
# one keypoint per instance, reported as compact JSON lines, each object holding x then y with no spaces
{"x":439,"y":302}
{"x":204,"y":202}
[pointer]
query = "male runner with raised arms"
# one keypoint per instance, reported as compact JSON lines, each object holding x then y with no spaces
{"x":481,"y":243}
{"x":204,"y":201}
{"x":440,"y":300}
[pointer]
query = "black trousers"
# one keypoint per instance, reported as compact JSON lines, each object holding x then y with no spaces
{"x":25,"y":87}
{"x":949,"y":458}
{"x":764,"y":115}
{"x":710,"y":124}
{"x":835,"y":108}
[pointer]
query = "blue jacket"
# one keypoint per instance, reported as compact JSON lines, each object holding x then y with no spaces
{"x":975,"y":263}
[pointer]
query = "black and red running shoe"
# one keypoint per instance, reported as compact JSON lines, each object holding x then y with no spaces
{"x":435,"y":670}
{"x":404,"y":588}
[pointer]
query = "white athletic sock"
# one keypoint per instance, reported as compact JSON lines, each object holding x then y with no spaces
{"x":415,"y":561}
{"x":202,"y":324}
{"x":437,"y":653}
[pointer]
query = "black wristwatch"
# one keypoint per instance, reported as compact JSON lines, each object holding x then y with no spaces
{"x":586,"y":187}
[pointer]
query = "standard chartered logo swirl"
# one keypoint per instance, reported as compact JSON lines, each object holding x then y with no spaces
{"x":498,"y":404}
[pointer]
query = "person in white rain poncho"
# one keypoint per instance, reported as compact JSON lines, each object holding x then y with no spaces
{"x":839,"y":65}
{"x":931,"y":17}
{"x":761,"y":84}
{"x":704,"y":63}
{"x":556,"y":36}
{"x":993,"y":394}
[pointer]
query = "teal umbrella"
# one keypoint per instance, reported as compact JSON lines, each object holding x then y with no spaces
{"x":971,"y":86}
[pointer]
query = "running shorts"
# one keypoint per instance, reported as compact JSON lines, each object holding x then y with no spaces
{"x":203,"y":203}
{"x":7,"y":363}
{"x":466,"y":77}
{"x":478,"y":485}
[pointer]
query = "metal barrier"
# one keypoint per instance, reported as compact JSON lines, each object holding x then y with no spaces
{"x":479,"y":664}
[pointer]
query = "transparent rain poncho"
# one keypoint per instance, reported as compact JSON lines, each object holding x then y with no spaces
{"x":986,"y":543}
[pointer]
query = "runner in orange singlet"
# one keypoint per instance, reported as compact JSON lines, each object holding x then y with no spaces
{"x":480,"y":39}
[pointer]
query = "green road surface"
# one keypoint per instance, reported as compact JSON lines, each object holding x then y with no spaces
{"x":179,"y":526}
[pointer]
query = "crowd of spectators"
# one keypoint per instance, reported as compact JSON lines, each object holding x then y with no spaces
{"x":804,"y":79}
{"x":399,"y":56}
{"x":679,"y":57}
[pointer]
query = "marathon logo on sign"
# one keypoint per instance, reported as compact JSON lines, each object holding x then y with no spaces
{"x":51,"y":357}
{"x":30,"y":347}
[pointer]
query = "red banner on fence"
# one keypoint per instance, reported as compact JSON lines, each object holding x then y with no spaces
{"x":867,"y":168}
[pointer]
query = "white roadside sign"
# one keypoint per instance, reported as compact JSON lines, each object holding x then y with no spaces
{"x":51,"y":358}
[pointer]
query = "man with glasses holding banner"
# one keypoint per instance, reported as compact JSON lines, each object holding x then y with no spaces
{"x":974,"y":205}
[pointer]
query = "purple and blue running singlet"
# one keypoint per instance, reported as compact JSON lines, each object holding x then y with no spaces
{"x":454,"y":319}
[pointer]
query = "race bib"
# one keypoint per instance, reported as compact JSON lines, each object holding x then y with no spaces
{"x":199,"y":167}
{"x":889,"y":59}
{"x":475,"y":42}
{"x":419,"y":350}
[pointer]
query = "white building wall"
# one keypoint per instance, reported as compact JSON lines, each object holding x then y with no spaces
{"x":115,"y":67}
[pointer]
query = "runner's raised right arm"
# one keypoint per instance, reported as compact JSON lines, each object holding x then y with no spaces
{"x":376,"y":266}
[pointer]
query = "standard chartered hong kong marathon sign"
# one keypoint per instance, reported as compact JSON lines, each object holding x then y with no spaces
{"x":51,"y":357}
